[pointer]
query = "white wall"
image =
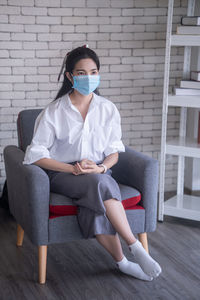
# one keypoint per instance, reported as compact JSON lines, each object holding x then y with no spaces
{"x":129,"y":37}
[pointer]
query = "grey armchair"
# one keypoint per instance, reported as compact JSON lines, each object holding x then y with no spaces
{"x":49,"y":218}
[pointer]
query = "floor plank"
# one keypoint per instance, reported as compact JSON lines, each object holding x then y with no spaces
{"x":83,"y":270}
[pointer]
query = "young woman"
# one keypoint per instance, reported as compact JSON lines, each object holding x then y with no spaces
{"x":76,"y":140}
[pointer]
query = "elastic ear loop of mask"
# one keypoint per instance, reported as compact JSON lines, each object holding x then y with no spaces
{"x":64,"y":61}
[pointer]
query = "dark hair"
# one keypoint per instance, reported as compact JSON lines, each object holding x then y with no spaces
{"x":71,"y":59}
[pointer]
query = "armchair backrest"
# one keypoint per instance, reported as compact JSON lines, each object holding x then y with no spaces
{"x":25,"y":126}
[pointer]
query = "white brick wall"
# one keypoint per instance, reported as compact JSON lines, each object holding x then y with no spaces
{"x":129,"y":37}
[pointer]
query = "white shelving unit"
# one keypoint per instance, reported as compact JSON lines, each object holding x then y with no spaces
{"x":181,"y":205}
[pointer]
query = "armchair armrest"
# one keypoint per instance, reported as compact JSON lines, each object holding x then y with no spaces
{"x":28,"y":195}
{"x":141,"y":172}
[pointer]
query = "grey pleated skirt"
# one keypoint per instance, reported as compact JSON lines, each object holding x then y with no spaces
{"x":88,"y":192}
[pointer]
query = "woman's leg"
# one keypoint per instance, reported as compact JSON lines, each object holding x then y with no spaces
{"x":117,"y":216}
{"x":112,"y":244}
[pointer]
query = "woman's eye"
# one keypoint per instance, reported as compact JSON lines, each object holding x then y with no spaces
{"x":81,"y":73}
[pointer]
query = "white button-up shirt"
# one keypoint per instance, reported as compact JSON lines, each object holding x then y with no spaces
{"x":61,"y":133}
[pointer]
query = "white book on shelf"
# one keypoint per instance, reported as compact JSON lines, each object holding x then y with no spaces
{"x":186,"y":92}
{"x":190,"y":20}
{"x":195,"y":30}
{"x":195,"y":75}
{"x":190,"y":84}
{"x":185,"y":40}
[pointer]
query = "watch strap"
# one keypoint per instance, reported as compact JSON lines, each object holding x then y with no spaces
{"x":104,"y":166}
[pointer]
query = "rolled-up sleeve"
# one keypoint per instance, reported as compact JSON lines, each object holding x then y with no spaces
{"x":43,"y":138}
{"x":114,"y":142}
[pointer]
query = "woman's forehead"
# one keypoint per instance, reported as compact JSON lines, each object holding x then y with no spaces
{"x":85,"y":64}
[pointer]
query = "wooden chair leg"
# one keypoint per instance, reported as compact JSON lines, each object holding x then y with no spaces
{"x":42,"y":263}
{"x":20,"y":235}
{"x":143,"y":239}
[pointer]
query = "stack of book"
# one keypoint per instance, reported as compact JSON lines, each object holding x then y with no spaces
{"x":189,"y":26}
{"x":189,"y":87}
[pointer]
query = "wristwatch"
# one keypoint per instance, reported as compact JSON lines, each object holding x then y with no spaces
{"x":104,"y":166}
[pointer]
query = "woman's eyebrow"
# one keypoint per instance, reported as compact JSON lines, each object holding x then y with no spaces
{"x":85,"y":70}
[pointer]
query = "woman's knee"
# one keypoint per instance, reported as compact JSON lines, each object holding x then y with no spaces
{"x":97,"y":179}
{"x":105,"y":185}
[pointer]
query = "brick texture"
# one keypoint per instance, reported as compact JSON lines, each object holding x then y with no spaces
{"x":129,"y":37}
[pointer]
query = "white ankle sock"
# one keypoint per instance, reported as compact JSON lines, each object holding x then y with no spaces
{"x":132,"y":269}
{"x":146,"y":262}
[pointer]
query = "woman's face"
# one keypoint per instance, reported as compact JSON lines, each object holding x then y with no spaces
{"x":85,"y":66}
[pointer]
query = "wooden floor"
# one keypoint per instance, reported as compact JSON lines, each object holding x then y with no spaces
{"x":83,"y":270}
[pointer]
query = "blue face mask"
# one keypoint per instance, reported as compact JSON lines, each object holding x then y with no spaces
{"x":86,"y":84}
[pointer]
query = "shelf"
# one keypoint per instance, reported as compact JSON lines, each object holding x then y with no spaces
{"x":186,"y":206}
{"x":185,"y":40}
{"x":185,"y":147}
{"x":184,"y":101}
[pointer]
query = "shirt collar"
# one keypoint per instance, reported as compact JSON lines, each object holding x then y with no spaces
{"x":93,"y":103}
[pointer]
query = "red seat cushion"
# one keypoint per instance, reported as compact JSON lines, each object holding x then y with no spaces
{"x":131,"y":202}
{"x":63,"y":210}
{"x":63,"y":206}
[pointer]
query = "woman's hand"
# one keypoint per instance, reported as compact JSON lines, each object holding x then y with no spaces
{"x":87,"y":166}
{"x":85,"y":163}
